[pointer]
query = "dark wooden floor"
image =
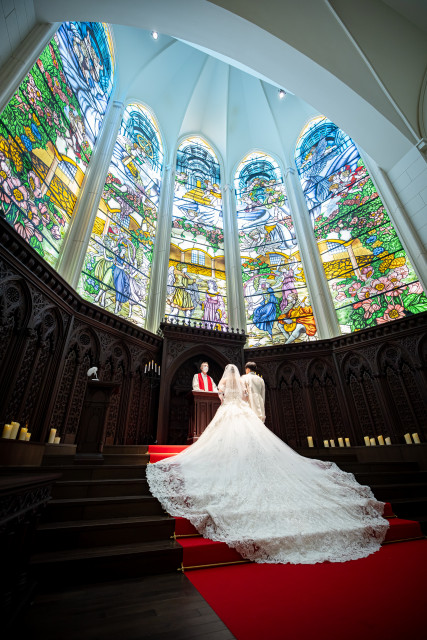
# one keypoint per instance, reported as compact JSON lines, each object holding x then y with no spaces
{"x":162,"y":607}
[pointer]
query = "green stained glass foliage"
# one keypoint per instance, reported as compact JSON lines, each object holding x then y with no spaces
{"x":117,"y":269}
{"x":276,"y":297}
{"x":196,"y":287}
{"x":370,"y":277}
{"x":47,"y":133}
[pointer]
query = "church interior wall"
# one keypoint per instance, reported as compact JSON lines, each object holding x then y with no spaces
{"x":17,"y":18}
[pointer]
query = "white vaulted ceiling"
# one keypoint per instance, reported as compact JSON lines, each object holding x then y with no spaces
{"x":191,"y":91}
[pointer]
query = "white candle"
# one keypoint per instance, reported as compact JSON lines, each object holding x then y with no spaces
{"x":14,"y":432}
{"x":145,"y":369}
{"x":27,"y":436}
{"x":332,"y":443}
{"x":347,"y":442}
{"x":373,"y":443}
{"x":380,"y":440}
{"x":52,"y":436}
{"x":23,"y":433}
{"x":56,"y":440}
{"x":407,"y":437}
{"x":416,"y":438}
{"x":341,"y":442}
{"x":326,"y":443}
{"x":7,"y":430}
{"x":310,"y":441}
{"x":367,"y":441}
{"x":388,"y":441}
{"x":159,"y":369}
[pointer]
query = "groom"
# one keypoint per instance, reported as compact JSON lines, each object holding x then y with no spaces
{"x":255,"y":389}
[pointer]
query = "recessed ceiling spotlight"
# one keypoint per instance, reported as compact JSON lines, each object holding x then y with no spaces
{"x":154,"y":35}
{"x":282,"y":94}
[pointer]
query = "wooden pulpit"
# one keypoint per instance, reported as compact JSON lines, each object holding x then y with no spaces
{"x":203,"y":407}
{"x":90,"y":437}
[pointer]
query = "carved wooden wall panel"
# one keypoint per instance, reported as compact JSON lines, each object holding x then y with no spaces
{"x":49,"y":338}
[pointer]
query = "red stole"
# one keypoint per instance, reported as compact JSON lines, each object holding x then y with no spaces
{"x":202,"y":384}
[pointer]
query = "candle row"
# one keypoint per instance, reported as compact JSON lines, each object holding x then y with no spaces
{"x":341,"y":442}
{"x":415,"y":438}
{"x":371,"y":442}
{"x":10,"y":432}
{"x":53,"y":438}
{"x":152,"y":366}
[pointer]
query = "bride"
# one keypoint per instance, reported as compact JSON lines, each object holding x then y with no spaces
{"x":240,"y":484}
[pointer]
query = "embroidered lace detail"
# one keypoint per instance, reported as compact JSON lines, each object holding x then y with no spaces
{"x":241,"y":485}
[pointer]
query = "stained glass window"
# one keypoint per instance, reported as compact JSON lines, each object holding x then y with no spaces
{"x":371,"y":279}
{"x":48,"y":130}
{"x":276,"y":298}
{"x":117,"y":267}
{"x":197,"y":289}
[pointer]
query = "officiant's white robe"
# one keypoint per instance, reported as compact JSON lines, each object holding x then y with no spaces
{"x":196,"y":386}
{"x":255,"y":389}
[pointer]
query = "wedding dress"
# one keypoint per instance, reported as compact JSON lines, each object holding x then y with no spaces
{"x":240,"y":484}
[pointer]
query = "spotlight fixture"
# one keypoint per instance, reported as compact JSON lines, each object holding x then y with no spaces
{"x":154,"y":35}
{"x":282,"y":94}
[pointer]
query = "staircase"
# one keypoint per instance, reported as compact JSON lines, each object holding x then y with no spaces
{"x":103,"y":522}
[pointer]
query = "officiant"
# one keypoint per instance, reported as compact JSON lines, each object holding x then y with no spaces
{"x":202,"y":381}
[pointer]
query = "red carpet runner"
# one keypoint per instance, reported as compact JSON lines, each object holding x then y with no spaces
{"x":200,"y":552}
{"x":382,"y":596}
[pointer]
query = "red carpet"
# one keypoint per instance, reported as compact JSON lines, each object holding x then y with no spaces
{"x":159,"y":452}
{"x":382,"y":596}
{"x":199,"y":551}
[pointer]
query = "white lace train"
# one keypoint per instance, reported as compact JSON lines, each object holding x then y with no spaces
{"x":240,"y":484}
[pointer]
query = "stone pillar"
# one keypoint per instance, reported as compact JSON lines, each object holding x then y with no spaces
{"x":159,"y":269}
{"x":233,"y":270}
{"x":320,"y":298}
{"x":23,"y":58}
{"x":73,"y":252}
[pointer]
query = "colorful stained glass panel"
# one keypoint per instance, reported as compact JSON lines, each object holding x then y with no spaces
{"x":196,"y":287}
{"x":47,"y":133}
{"x":117,"y":268}
{"x":370,"y":276}
{"x":276,"y":297}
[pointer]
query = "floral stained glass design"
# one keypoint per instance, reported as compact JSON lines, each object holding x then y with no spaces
{"x":277,"y":305}
{"x":48,"y":130}
{"x":196,"y":287}
{"x":116,"y":273}
{"x":371,"y":279}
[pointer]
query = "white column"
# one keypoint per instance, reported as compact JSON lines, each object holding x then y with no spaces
{"x":23,"y":58}
{"x":71,"y":260}
{"x":321,"y":301}
{"x":417,"y":252}
{"x":159,"y":269}
{"x":233,"y":270}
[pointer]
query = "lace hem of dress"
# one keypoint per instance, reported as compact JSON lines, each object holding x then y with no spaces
{"x":330,"y":544}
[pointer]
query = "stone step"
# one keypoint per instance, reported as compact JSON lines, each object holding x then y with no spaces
{"x":126,"y":458}
{"x":396,"y":466}
{"x":390,"y":492}
{"x":101,"y":472}
{"x":135,"y":449}
{"x":55,"y":536}
{"x":392,"y":477}
{"x":412,"y":508}
{"x":83,"y":472}
{"x":107,"y":563}
{"x":100,"y":488}
{"x":97,"y":508}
